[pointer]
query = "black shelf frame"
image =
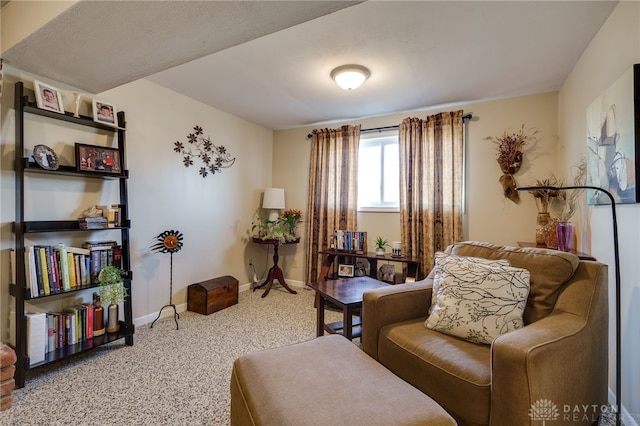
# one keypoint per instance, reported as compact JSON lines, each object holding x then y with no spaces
{"x":126,"y":331}
{"x":62,"y":170}
{"x":18,"y":290}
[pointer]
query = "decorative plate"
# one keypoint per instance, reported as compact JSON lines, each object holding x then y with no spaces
{"x":45,"y":157}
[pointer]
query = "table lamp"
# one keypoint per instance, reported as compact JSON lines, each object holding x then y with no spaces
{"x":273,"y":201}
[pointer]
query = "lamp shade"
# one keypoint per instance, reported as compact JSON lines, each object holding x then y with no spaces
{"x":350,"y":76}
{"x":273,"y":198}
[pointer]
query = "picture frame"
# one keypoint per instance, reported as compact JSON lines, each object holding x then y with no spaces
{"x":105,"y":113}
{"x":613,"y":141}
{"x":345,"y":270}
{"x":48,"y":97}
{"x":98,"y":159}
{"x":45,"y":157}
{"x":387,"y":273}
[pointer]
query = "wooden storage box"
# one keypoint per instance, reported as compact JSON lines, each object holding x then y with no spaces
{"x":213,"y":295}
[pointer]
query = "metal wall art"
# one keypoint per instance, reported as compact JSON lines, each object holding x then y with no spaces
{"x":214,"y":157}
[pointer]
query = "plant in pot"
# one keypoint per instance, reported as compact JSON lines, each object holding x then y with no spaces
{"x":112,"y":292}
{"x":381,"y":243}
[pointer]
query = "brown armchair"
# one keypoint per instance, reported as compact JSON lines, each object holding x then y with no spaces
{"x":559,"y":357}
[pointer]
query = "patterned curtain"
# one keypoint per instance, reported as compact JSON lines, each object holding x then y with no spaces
{"x":431,"y":170}
{"x":333,"y":183}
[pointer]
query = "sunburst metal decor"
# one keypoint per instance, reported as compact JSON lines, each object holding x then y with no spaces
{"x":169,"y":242}
{"x":214,"y":157}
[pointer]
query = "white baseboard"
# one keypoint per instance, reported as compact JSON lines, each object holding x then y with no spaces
{"x":167,"y":313}
{"x":627,"y":419}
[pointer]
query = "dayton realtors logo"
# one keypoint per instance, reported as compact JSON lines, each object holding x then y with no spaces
{"x":545,"y":410}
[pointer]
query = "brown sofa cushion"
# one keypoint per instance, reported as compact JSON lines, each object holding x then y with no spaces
{"x":550,"y":269}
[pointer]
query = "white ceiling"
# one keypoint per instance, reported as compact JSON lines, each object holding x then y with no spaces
{"x":269,"y":62}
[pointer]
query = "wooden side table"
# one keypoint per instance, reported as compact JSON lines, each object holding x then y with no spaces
{"x":275,"y":273}
{"x":581,"y":256}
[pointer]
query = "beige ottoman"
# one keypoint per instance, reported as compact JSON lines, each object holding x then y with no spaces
{"x":325,"y":381}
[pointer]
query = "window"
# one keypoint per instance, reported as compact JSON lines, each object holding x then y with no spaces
{"x":379,"y":174}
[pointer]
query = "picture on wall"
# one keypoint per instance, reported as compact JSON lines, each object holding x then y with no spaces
{"x":613,"y":141}
{"x":98,"y":159}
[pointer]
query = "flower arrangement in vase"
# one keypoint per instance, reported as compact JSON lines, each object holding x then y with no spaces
{"x":565,"y":204}
{"x":283,"y":229}
{"x":543,"y":199}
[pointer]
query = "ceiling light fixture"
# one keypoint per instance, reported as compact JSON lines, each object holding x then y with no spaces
{"x":350,"y":76}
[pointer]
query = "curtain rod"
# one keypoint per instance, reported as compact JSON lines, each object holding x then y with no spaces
{"x":382,"y":129}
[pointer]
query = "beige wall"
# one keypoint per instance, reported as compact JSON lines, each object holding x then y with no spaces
{"x":213,"y":213}
{"x":612,"y":52}
{"x":15,"y":27}
{"x":489,"y":216}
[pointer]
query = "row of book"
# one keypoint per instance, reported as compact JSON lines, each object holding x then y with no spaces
{"x":355,"y":241}
{"x":54,"y":269}
{"x":48,"y":332}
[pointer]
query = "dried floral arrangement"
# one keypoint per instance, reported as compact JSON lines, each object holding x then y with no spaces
{"x":510,"y":155}
{"x":214,"y":157}
{"x":544,"y":197}
{"x":565,"y":204}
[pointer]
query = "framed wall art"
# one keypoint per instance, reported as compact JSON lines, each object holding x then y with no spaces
{"x":613,"y":141}
{"x":48,"y":97}
{"x":104,"y":113}
{"x":98,"y":159}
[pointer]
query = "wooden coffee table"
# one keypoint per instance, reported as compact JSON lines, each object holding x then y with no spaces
{"x":347,"y":295}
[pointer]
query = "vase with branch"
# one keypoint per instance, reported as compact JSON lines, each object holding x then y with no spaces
{"x":544,"y":199}
{"x":564,"y":206}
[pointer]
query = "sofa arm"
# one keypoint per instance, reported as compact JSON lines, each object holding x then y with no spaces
{"x":553,"y":359}
{"x":389,"y":305}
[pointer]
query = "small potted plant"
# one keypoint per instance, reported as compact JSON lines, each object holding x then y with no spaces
{"x":381,"y":243}
{"x":112,"y":292}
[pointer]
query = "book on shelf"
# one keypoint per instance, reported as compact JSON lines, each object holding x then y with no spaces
{"x":93,"y":222}
{"x":36,"y":336}
{"x":53,"y":269}
{"x":353,"y":241}
{"x":30,"y":276}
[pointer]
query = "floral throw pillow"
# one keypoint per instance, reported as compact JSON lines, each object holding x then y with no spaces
{"x":478,"y":301}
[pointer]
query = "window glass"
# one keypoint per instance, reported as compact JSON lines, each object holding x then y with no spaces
{"x":378,"y":174}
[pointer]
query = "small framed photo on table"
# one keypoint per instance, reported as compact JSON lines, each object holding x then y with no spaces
{"x":345,"y":270}
{"x":98,"y":159}
{"x":48,"y":97}
{"x":104,"y":113}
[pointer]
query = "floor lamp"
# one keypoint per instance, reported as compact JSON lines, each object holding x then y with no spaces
{"x":617,"y":268}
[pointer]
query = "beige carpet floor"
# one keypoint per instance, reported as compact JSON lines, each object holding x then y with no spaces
{"x":169,"y":376}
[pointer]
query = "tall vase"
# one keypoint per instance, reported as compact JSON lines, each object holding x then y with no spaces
{"x":565,"y":236}
{"x":541,"y":221}
{"x":551,"y":233}
{"x":112,"y":323}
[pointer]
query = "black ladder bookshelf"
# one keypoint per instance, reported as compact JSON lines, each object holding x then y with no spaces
{"x":26,"y":166}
